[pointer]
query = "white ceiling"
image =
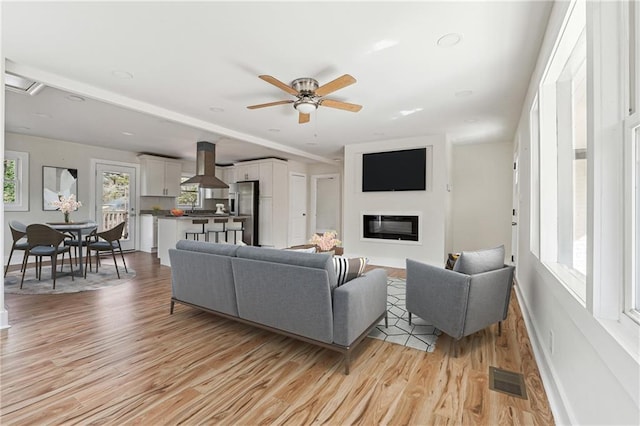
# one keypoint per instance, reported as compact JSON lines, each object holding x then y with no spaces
{"x":195,"y":68}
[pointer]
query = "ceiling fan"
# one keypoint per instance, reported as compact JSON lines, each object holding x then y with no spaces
{"x":310,"y":95}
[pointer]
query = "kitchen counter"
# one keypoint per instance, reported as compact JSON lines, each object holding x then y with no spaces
{"x":171,"y":229}
{"x":202,"y":216}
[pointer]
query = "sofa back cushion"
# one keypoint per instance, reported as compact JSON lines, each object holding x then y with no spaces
{"x":289,"y":297}
{"x":209,"y":248}
{"x":203,"y":279}
{"x":287,"y":257}
{"x":477,"y":262}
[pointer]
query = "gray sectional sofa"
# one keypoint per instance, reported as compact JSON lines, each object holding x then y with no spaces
{"x":291,"y":293}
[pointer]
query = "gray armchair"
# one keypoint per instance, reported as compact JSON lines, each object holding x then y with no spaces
{"x":459,"y":302}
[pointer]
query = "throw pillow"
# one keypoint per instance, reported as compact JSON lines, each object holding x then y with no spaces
{"x":348,"y":269}
{"x":451,"y":260}
{"x":477,"y":262}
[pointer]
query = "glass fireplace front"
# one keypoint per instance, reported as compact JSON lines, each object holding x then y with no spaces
{"x":403,"y":228}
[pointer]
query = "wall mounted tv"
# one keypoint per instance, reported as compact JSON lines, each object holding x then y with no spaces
{"x":394,"y":170}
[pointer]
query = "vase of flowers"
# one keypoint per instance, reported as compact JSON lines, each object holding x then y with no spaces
{"x":66,"y":205}
{"x":327,"y":241}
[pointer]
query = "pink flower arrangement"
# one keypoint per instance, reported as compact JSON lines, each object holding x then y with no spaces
{"x":66,"y":205}
{"x":326,"y":241}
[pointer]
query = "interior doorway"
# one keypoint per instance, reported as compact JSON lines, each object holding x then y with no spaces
{"x":297,"y":209}
{"x":326,"y":203}
{"x":115,"y":189}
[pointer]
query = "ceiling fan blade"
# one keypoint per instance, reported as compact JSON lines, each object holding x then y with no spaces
{"x":334,"y":85}
{"x":340,"y":105}
{"x":269,"y":104}
{"x":303,"y":118}
{"x":290,"y":90}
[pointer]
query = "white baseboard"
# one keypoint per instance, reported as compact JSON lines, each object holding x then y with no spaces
{"x":4,"y":319}
{"x":560,"y":411}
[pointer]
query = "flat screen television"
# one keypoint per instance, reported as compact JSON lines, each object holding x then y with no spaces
{"x":404,"y":170}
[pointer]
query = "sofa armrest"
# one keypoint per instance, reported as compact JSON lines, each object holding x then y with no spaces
{"x":489,"y":295}
{"x":357,"y":305}
{"x":438,"y":295}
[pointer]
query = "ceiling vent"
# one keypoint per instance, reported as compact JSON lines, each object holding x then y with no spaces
{"x":19,"y":84}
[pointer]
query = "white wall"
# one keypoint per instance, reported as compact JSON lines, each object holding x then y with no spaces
{"x":50,"y":152}
{"x":481,"y":213}
{"x":592,"y":375}
{"x":430,"y":204}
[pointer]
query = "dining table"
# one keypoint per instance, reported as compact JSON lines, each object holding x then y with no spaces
{"x":77,"y":229}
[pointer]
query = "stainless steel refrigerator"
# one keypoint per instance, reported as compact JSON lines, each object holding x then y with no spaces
{"x":243,"y":201}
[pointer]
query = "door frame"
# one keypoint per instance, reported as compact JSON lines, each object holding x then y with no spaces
{"x":290,"y":241}
{"x":314,"y":201}
{"x":92,"y":193}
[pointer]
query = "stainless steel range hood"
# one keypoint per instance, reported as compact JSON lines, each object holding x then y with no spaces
{"x":206,"y":168}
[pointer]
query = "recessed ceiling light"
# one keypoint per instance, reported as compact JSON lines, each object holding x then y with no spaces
{"x":124,"y":75}
{"x":410,"y":111}
{"x":312,"y":143}
{"x":216,"y":109}
{"x":41,"y":114}
{"x":75,"y":98}
{"x":383,"y":44}
{"x":449,"y":40}
{"x":274,"y":130}
{"x":23,"y":128}
{"x":378,"y":134}
{"x":464,"y":93}
{"x":127,"y":133}
{"x":471,"y":120}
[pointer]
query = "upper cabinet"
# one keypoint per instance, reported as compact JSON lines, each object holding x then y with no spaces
{"x":160,"y":177}
{"x":269,"y":172}
{"x":247,"y":171}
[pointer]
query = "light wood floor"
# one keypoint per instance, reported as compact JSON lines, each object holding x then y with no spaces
{"x":116,"y":356}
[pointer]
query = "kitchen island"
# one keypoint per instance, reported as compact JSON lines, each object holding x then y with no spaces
{"x":171,"y":229}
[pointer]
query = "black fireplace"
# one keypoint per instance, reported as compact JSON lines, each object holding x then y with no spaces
{"x":403,"y":228}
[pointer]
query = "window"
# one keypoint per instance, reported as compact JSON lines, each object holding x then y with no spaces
{"x":189,"y":195}
{"x":16,"y":181}
{"x":534,"y":131}
{"x":563,"y":157}
{"x":632,"y":176}
{"x":636,"y":225}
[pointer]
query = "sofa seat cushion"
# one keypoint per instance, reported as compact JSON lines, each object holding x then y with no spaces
{"x":287,"y":257}
{"x":477,"y":262}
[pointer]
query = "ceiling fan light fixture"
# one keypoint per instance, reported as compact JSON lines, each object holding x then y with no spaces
{"x":305,"y":106}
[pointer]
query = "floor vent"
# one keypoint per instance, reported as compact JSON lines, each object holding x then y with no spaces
{"x":507,"y":382}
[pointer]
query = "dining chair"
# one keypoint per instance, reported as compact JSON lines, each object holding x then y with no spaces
{"x":108,"y":240}
{"x":71,"y":241}
{"x":42,"y":241}
{"x":18,"y":233}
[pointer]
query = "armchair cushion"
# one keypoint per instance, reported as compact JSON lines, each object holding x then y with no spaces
{"x":477,"y":262}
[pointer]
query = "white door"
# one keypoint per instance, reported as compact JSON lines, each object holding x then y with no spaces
{"x":297,"y":209}
{"x":115,"y":200}
{"x":325,"y":203}
{"x":514,"y":213}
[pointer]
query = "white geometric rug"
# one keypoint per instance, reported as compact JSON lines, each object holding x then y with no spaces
{"x":106,"y":277}
{"x":418,"y":335}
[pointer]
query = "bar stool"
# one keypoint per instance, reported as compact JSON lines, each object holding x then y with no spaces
{"x":234,"y":227}
{"x":220,"y":228}
{"x":196,"y":233}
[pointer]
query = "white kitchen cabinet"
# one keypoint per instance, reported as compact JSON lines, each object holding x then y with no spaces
{"x":148,"y":233}
{"x":247,"y":172}
{"x":265,"y":222}
{"x":160,"y":177}
{"x":273,"y":175}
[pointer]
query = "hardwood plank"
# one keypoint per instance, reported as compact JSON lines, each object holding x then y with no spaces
{"x":117,"y":356}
